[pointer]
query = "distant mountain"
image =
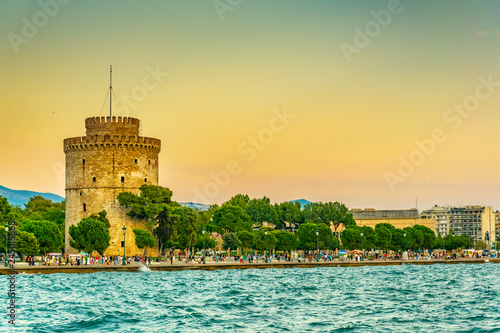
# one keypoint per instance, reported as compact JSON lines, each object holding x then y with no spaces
{"x":194,"y":205}
{"x":19,"y":198}
{"x":303,"y":202}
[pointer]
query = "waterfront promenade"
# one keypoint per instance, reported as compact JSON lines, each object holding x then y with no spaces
{"x":21,"y":268}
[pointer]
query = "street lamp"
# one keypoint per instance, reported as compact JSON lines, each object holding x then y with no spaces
{"x":405,"y":240}
{"x":124,"y":231}
{"x":6,"y":244}
{"x":362,"y":247}
{"x":203,"y":233}
{"x":265,"y":233}
{"x":317,"y":245}
{"x":340,"y":241}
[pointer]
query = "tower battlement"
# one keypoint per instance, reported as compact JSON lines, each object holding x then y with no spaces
{"x":111,"y":141}
{"x":112,"y":126}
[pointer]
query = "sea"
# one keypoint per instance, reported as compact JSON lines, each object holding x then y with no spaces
{"x":403,"y":298}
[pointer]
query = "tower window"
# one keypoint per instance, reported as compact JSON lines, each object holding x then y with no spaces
{"x":123,"y":179}
{"x":145,"y":180}
{"x":149,"y":161}
{"x":80,"y":193}
{"x":135,"y":161}
{"x":94,"y":179}
{"x":83,"y":161}
{"x":84,"y":207}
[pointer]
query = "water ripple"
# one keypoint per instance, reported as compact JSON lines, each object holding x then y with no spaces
{"x":435,"y":298}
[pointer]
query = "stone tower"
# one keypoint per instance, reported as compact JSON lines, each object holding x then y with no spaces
{"x":110,"y":159}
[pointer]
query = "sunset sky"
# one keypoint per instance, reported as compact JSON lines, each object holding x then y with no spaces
{"x":323,"y":100}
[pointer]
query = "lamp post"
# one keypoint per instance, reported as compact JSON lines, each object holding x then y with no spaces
{"x":265,"y":233}
{"x":6,"y":242}
{"x":203,"y":233}
{"x":405,"y":240}
{"x":317,"y":245}
{"x":340,"y":241}
{"x":362,"y":247}
{"x":124,"y":262}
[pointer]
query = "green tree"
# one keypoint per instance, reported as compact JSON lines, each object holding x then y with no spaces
{"x":230,"y":241}
{"x":26,"y":244}
{"x":247,"y":239}
{"x":143,"y":240}
{"x":40,"y":208}
{"x":239,"y":200}
{"x":260,"y":239}
{"x":230,"y":218}
{"x":209,"y":242}
{"x":286,"y":241}
{"x":369,"y":238}
{"x":261,"y":210}
{"x":429,"y":237}
{"x":384,"y":235}
{"x":287,"y":212}
{"x":153,"y":205}
{"x":90,"y":235}
{"x":351,"y":237}
{"x":47,"y":233}
{"x":307,"y":236}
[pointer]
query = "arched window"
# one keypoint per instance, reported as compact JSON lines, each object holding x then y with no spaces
{"x":83,"y":161}
{"x":84,"y":207}
{"x":123,"y":179}
{"x":145,"y":180}
{"x":135,"y":161}
{"x":94,"y":179}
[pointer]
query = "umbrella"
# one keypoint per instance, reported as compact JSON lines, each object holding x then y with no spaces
{"x":343,"y":252}
{"x":84,"y":253}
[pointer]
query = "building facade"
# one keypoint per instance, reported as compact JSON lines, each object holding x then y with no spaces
{"x":441,"y":217}
{"x":110,"y":159}
{"x":398,"y":218}
{"x":477,"y":222}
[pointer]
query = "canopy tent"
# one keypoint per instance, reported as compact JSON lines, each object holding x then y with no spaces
{"x":343,"y":252}
{"x":357,"y":251}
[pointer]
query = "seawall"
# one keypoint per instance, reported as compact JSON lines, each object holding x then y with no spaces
{"x":210,"y":266}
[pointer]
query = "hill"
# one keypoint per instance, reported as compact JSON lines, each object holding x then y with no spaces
{"x":19,"y":197}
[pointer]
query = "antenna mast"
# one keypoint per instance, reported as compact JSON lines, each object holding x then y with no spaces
{"x":110,"y":89}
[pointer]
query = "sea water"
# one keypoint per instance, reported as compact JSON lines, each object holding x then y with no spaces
{"x":405,"y":298}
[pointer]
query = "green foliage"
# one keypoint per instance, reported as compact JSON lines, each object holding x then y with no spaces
{"x":143,"y":238}
{"x":39,"y":208}
{"x":230,"y":241}
{"x":89,"y":235}
{"x":287,"y":212}
{"x":185,"y":226}
{"x":351,"y":238}
{"x":26,"y":243}
{"x":384,"y":235}
{"x":260,"y":239}
{"x":247,"y":239}
{"x":102,"y":216}
{"x":209,"y":242}
{"x":329,"y":213}
{"x":286,"y":241}
{"x":307,"y":236}
{"x":261,"y":210}
{"x":47,"y":233}
{"x":230,"y":218}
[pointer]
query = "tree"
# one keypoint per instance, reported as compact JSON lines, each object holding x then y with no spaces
{"x":90,"y":235}
{"x":144,"y":239}
{"x":230,"y":241}
{"x":26,"y":244}
{"x":286,"y":241}
{"x":369,"y":238}
{"x":186,"y":226}
{"x":384,"y":235}
{"x":209,"y":242}
{"x":247,"y":239}
{"x":287,"y":212}
{"x":260,"y":239}
{"x":261,"y":210}
{"x":307,"y":236}
{"x":154,"y":205}
{"x":429,"y":237}
{"x":239,"y":200}
{"x":40,"y":208}
{"x":351,"y":237}
{"x":47,"y":233}
{"x":230,"y":218}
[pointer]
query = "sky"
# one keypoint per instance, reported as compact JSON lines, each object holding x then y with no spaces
{"x":375,"y":104}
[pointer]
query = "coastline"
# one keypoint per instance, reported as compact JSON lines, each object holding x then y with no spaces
{"x":210,"y":266}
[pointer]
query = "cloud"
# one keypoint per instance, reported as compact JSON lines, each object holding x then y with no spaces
{"x":482,"y":33}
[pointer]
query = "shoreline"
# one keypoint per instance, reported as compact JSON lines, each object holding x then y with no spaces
{"x":211,"y":266}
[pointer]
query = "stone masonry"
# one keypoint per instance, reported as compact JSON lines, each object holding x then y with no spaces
{"x":110,"y":159}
